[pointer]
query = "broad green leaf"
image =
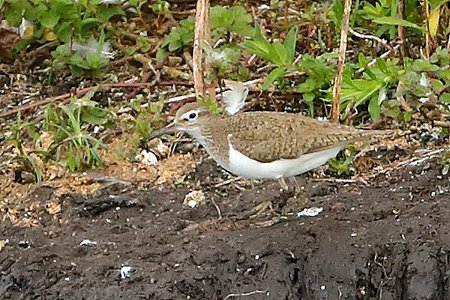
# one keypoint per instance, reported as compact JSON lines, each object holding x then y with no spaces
{"x":445,"y":98}
{"x":218,"y":16}
{"x":14,"y":14}
{"x":308,"y":86}
{"x":161,"y":54}
{"x":89,"y":21}
{"x":375,"y":103}
{"x":290,"y":43}
{"x":397,"y":22}
{"x":50,"y":20}
{"x":259,"y":48}
{"x":273,"y":75}
{"x":437,"y":85}
{"x":359,"y":90}
{"x":279,"y":54}
{"x":363,"y":62}
{"x":104,"y":13}
{"x":421,"y":65}
{"x":64,"y":32}
{"x":381,"y":63}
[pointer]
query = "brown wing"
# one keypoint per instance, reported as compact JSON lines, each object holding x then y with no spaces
{"x":268,"y":136}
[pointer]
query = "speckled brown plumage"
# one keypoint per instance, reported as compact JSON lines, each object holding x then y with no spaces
{"x":267,"y":136}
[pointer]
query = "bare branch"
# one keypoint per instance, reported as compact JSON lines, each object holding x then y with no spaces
{"x":335,"y":108}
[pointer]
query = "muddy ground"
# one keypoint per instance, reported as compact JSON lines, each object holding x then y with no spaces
{"x":388,"y":238}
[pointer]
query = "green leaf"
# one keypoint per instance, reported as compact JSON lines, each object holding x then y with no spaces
{"x":436,"y":4}
{"x":363,"y":62}
{"x":279,"y":54}
{"x":14,"y":14}
{"x":259,"y":48}
{"x":64,"y":33}
{"x":420,"y":65}
{"x":359,"y":90}
{"x":90,"y":21}
{"x":50,"y":19}
{"x":308,"y":86}
{"x":437,"y":86}
{"x":374,"y":107}
{"x":381,"y":63}
{"x":161,"y":54}
{"x":397,"y":22}
{"x":290,"y":43}
{"x":445,"y":98}
{"x":273,"y":76}
{"x":104,"y":13}
{"x":96,"y":116}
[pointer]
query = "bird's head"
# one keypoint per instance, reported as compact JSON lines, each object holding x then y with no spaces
{"x":188,"y":118}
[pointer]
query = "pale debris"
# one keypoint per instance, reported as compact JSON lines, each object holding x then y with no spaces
{"x":147,"y":158}
{"x":26,"y":29}
{"x":159,"y":148}
{"x":88,"y":243}
{"x":3,"y":243}
{"x":194,"y":199}
{"x":125,"y":272}
{"x":310,"y":212}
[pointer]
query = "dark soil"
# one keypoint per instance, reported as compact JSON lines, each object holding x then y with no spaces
{"x":389,"y":239}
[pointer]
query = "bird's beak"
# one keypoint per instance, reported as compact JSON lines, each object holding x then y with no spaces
{"x":171,"y":128}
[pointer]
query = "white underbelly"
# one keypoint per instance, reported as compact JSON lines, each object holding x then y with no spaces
{"x":244,"y":166}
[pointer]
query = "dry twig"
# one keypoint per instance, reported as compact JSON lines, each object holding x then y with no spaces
{"x":245,"y":294}
{"x":201,"y":16}
{"x":335,"y":108}
{"x":369,"y":37}
{"x":401,"y":31}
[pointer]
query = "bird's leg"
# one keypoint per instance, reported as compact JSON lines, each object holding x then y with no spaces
{"x":283,"y":184}
{"x":283,"y":196}
{"x":294,"y":182}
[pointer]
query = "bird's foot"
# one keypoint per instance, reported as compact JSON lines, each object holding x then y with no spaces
{"x":270,"y":207}
{"x":258,"y":210}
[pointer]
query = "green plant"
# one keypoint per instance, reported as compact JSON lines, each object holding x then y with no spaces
{"x":89,"y":58}
{"x":281,"y":55}
{"x":143,"y":126}
{"x":69,"y":125}
{"x":65,"y":21}
{"x":235,"y":19}
{"x":342,"y":165}
{"x":319,"y":75}
{"x":224,"y":21}
{"x":378,"y":85}
{"x":27,"y":158}
{"x":371,"y":87}
{"x":181,"y":36}
{"x":160,"y":7}
{"x":384,"y":12}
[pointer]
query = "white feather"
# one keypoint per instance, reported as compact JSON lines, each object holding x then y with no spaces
{"x":234,"y":98}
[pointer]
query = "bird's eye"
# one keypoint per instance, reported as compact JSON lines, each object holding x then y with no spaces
{"x":192,"y":116}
